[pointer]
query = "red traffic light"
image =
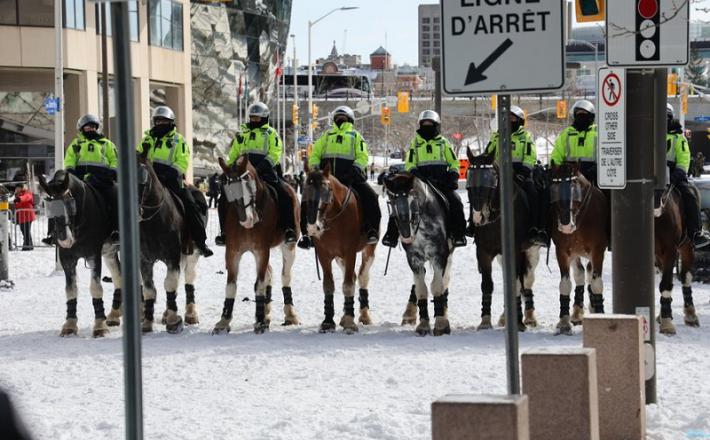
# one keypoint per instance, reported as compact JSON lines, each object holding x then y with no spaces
{"x":648,"y":8}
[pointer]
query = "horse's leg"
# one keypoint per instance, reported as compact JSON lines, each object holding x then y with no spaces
{"x":262,"y":267}
{"x":485,"y":266}
{"x":422,"y":293}
{"x":288,"y":255}
{"x":367,"y":257}
{"x":114,"y":267}
{"x":532,"y":259}
{"x":666,"y":288}
{"x":189,"y":266}
{"x":149,"y":294}
{"x":564,"y":326}
{"x":596,"y":285}
{"x":441,"y":322}
{"x":447,"y":278}
{"x":687,"y":257}
{"x":328,"y":324}
{"x":69,"y":328}
{"x":348,"y":319}
{"x":517,"y":288}
{"x":97,"y":297}
{"x":410,"y":313}
{"x":173,"y":321}
{"x":578,"y":307}
{"x":230,"y":292}
{"x":268,"y":277}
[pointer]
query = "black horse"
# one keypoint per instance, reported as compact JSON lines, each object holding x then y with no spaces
{"x":165,"y":237}
{"x":82,"y":229}
{"x":484,"y":197}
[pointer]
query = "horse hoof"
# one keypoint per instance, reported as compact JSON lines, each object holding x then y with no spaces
{"x":260,"y":327}
{"x":290,"y":320}
{"x":577,"y":315}
{"x":327,"y":327}
{"x":485,"y":323}
{"x":691,"y":319}
{"x":350,"y":330}
{"x":530,"y":319}
{"x":409,"y":321}
{"x":191,"y":320}
{"x":100,"y":332}
{"x":501,"y":320}
{"x":564,"y":327}
{"x":667,"y":327}
{"x":147,"y":327}
{"x":164,"y":319}
{"x":423,"y":328}
{"x":221,"y":330}
{"x":69,"y":328}
{"x":175,"y":326}
{"x":521,"y":326}
{"x":364,"y":317}
{"x":442,"y":329}
{"x":114,"y":318}
{"x":113,"y":322}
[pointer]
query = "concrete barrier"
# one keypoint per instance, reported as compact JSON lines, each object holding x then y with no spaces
{"x":618,"y":341}
{"x":562,"y":387}
{"x":482,"y":417}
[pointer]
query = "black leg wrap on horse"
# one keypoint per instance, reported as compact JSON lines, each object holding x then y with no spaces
{"x":171,"y":302}
{"x":666,"y":308}
{"x":267,"y":294}
{"x":446,"y":298}
{"x":564,"y":305}
{"x":349,"y":306}
{"x":413,"y":295}
{"x":98,"y":308}
{"x":597,"y":303}
{"x":71,"y":309}
{"x":486,"y":301}
{"x":423,"y":309}
{"x":228,"y":308}
{"x":189,"y":294}
{"x":579,"y":296}
{"x":328,"y":307}
{"x":148,"y":309}
{"x":439,"y":304}
{"x":260,"y":308}
{"x":364,"y":299}
{"x":288,"y":296}
{"x":687,"y":296}
{"x":529,"y":302}
{"x":519,"y":306}
{"x":116,"y":299}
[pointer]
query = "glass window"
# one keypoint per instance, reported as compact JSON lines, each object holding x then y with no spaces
{"x":425,"y":51}
{"x":436,"y":35}
{"x":425,"y":19}
{"x":165,"y":24}
{"x":36,"y":13}
{"x":132,"y":20}
{"x":425,"y":36}
{"x":8,"y":12}
{"x":436,"y":51}
{"x":436,"y":28}
{"x":426,"y":28}
{"x":74,"y":14}
{"x":436,"y":43}
{"x":177,"y":26}
{"x":154,"y":25}
{"x":425,"y":43}
{"x":436,"y":19}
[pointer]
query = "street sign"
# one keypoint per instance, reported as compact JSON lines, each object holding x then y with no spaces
{"x":493,"y":47}
{"x":647,"y":33}
{"x":51,"y":105}
{"x":611,"y":136}
{"x":304,"y":140}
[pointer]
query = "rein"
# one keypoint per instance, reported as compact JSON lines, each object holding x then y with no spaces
{"x":343,"y":207}
{"x":142,"y":207}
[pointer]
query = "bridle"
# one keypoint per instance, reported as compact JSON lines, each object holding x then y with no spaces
{"x":147,"y":183}
{"x":236,"y":189}
{"x":324,"y":198}
{"x":574,"y":180}
{"x":493,"y":208}
{"x":398,"y":202}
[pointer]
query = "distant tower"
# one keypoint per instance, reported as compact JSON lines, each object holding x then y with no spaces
{"x":333,"y":53}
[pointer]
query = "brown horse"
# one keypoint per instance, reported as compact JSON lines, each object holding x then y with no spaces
{"x":580,"y":229}
{"x":333,"y":219}
{"x":671,"y":242}
{"x":251,"y":225}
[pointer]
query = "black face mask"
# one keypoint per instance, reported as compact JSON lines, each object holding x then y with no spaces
{"x":93,"y":135}
{"x":582,"y":121}
{"x":161,"y":130}
{"x":515,"y":126}
{"x":260,"y":123}
{"x":340,"y":121}
{"x":428,"y":132}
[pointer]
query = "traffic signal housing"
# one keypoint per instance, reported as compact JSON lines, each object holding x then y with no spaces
{"x":589,"y":10}
{"x":386,"y":116}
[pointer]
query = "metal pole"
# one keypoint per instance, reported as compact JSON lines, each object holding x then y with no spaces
{"x":436,"y":65}
{"x":58,"y":88}
{"x":283,"y":116}
{"x":128,"y":223}
{"x":104,"y":73}
{"x":295,"y":102}
{"x":632,"y":209}
{"x":310,"y":87}
{"x":508,"y":249}
{"x":4,"y":237}
{"x":681,"y":80}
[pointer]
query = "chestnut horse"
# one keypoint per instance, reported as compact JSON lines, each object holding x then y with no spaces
{"x":251,"y":225}
{"x":579,"y":227}
{"x":333,"y":219}
{"x":671,"y":242}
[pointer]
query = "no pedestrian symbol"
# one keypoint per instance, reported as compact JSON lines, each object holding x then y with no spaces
{"x":611,"y":89}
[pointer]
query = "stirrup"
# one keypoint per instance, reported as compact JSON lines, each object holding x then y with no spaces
{"x":289,"y":236}
{"x":470,"y":230}
{"x":700,"y":240}
{"x":458,"y":241}
{"x":390,"y":240}
{"x":204,"y":250}
{"x":305,"y":242}
{"x":219,"y":240}
{"x":48,"y":240}
{"x":372,"y":237}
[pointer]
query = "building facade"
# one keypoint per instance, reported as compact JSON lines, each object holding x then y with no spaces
{"x":429,"y":28}
{"x":380,"y":59}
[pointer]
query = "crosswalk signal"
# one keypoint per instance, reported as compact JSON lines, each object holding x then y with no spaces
{"x":385,"y":116}
{"x":294,"y":114}
{"x":589,"y":10}
{"x":672,"y":84}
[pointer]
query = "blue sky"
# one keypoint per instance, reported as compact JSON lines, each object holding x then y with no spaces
{"x":366,"y":27}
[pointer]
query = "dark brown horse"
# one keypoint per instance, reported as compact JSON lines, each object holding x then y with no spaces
{"x":671,"y":242}
{"x":580,"y":229}
{"x":251,"y":225}
{"x":334,"y":223}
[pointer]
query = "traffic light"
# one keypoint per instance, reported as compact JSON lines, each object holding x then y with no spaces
{"x":494,"y":102}
{"x":385,"y":116}
{"x":402,"y":102}
{"x":672,"y":84}
{"x":314,"y":111}
{"x":648,"y":30}
{"x":589,"y":10}
{"x":294,"y":114}
{"x":684,"y":99}
{"x":562,"y":109}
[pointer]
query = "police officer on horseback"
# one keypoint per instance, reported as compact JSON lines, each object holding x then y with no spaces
{"x":170,"y":155}
{"x":346,"y":151}
{"x":431,"y":158}
{"x":678,"y":161}
{"x":577,"y":143}
{"x":264,"y":147}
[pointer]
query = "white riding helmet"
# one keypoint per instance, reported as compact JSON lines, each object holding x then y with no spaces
{"x":585,"y":105}
{"x":429,"y":115}
{"x":87,"y":119}
{"x":163,"y":111}
{"x":669,"y":110}
{"x":517,"y":111}
{"x":344,"y":110}
{"x":258,"y":109}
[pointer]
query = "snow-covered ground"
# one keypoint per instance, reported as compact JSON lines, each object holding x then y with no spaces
{"x":294,"y":383}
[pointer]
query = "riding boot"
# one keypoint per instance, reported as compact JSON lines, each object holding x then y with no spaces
{"x":692,"y":218}
{"x":457,"y":220}
{"x":305,"y":241}
{"x":195,"y":222}
{"x":371,"y":211}
{"x":221,"y":214}
{"x":392,"y":235}
{"x":286,"y":221}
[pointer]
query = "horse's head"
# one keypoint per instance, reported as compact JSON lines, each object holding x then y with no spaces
{"x":481,"y":184}
{"x":61,"y":207}
{"x":566,"y":194}
{"x":243,"y":187}
{"x":317,"y":198}
{"x":401,"y":192}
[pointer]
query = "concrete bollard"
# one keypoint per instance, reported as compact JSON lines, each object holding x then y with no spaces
{"x":562,"y":387}
{"x":480,"y":417}
{"x":618,"y":341}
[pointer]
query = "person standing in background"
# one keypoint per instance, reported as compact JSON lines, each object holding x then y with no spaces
{"x":25,"y":214}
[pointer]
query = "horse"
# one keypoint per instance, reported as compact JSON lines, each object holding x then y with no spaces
{"x":482,"y":183}
{"x":81,"y":226}
{"x":334,"y":217}
{"x":421,"y":221}
{"x":164,"y":237}
{"x":251,"y":225}
{"x":579,"y":227}
{"x":671,"y":242}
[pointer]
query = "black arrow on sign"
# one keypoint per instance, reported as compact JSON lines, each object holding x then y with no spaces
{"x":475,"y":74}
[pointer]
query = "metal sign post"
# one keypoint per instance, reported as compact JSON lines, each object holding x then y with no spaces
{"x":611,"y":123}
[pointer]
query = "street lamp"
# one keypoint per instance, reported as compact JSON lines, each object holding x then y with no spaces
{"x":310,"y":68}
{"x":295,"y":103}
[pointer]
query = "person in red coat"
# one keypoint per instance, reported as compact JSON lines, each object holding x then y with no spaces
{"x":25,"y":214}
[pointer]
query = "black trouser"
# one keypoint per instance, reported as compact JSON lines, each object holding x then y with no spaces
{"x":284,"y":202}
{"x":690,"y":204}
{"x":26,"y":229}
{"x":212,"y":201}
{"x":535,"y":212}
{"x":193,"y":217}
{"x":221,"y":210}
{"x":456,"y":218}
{"x":108,"y":192}
{"x":589,"y":171}
{"x":369,"y":204}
